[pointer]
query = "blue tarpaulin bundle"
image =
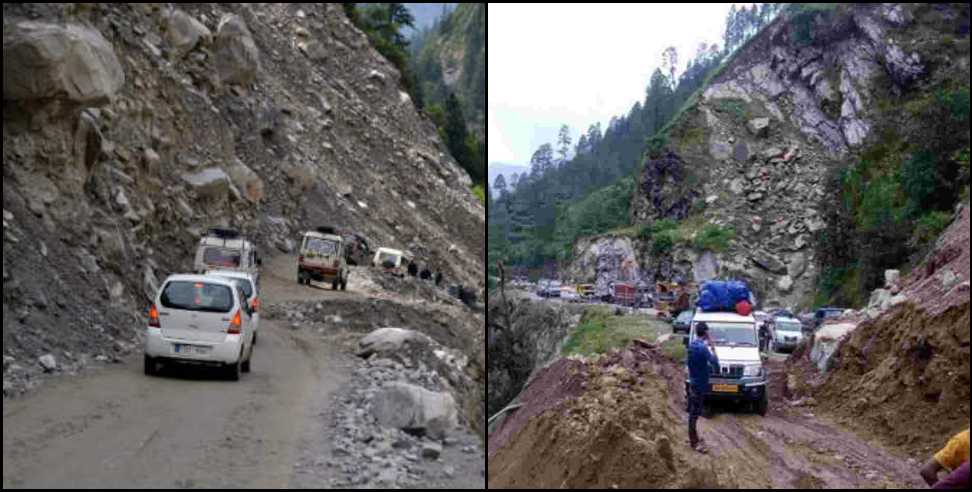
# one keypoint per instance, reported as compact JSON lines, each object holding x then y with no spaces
{"x":719,"y":296}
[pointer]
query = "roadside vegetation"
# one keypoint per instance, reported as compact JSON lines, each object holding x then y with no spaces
{"x":600,"y":331}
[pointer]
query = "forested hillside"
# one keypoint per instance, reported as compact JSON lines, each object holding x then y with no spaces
{"x":449,"y":59}
{"x":584,"y":188}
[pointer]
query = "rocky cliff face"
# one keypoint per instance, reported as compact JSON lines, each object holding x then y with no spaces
{"x":752,"y":153}
{"x":128,"y":129}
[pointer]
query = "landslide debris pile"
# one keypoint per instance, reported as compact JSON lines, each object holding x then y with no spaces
{"x":129,"y":129}
{"x":607,"y":423}
{"x":397,"y":423}
{"x":904,"y":377}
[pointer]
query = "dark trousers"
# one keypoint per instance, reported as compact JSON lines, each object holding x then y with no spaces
{"x":696,"y":402}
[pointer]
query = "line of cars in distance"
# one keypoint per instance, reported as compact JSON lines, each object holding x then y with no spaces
{"x":211,"y":317}
{"x":787,"y":331}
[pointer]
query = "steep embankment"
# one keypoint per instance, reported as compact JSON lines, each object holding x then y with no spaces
{"x":803,"y":100}
{"x":130,"y":128}
{"x":535,"y":338}
{"x":909,"y":365}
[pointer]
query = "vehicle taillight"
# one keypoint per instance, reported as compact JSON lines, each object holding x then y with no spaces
{"x":236,"y":326}
{"x":256,"y":305}
{"x":154,"y":317}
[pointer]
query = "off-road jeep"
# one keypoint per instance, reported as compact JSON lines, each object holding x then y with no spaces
{"x":322,"y":259}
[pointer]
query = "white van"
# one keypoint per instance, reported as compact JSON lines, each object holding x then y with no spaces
{"x":225,"y":249}
{"x":200,"y":320}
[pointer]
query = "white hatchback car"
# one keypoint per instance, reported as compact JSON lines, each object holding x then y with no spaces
{"x":251,"y":288}
{"x":200,"y":320}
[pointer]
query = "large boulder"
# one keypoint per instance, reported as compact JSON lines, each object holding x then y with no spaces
{"x":387,"y":341}
{"x":72,"y":63}
{"x":768,"y":262}
{"x":237,"y":56}
{"x":183,"y":33}
{"x":210,"y":184}
{"x":247,"y":181}
{"x":415,"y":410}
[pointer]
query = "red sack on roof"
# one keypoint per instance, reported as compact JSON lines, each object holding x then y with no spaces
{"x":744,"y":308}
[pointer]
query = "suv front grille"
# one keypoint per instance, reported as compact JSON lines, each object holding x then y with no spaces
{"x":733,"y":371}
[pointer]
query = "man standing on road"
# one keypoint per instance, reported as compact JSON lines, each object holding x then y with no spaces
{"x":412,"y":268}
{"x":764,"y":336}
{"x":701,"y":360}
{"x":950,"y":459}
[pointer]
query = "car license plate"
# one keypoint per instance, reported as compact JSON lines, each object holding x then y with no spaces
{"x":725,"y":388}
{"x":190,"y":349}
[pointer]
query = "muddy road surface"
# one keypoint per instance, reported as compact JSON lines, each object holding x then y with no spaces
{"x":584,"y":434}
{"x":794,"y":447}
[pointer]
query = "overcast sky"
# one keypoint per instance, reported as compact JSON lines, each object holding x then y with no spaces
{"x":577,"y":64}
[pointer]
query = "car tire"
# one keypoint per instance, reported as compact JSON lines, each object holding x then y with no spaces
{"x":233,"y":370}
{"x":334,"y":285}
{"x":150,"y":369}
{"x":761,"y":407}
{"x":254,"y":339}
{"x":245,"y":367}
{"x":344,"y":284}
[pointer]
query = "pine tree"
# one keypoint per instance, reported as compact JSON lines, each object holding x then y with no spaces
{"x":563,"y":144}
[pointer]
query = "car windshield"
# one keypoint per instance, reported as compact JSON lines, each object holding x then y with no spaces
{"x":387,"y":257}
{"x":789,"y":326}
{"x":197,"y":296}
{"x":685,"y":317}
{"x":732,"y":334}
{"x":555,"y":285}
{"x":322,"y":247}
{"x":222,"y":257}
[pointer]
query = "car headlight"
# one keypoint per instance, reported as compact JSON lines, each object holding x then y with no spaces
{"x":753,"y":371}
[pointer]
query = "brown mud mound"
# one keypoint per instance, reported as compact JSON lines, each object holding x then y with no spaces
{"x":623,"y":432}
{"x":553,"y":385}
{"x":903,"y":378}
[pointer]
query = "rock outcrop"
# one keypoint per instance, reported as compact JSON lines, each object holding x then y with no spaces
{"x":128,"y":132}
{"x":752,"y":153}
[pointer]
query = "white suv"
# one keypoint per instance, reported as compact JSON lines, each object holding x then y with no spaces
{"x":200,"y":320}
{"x":741,"y":376}
{"x":251,"y":289}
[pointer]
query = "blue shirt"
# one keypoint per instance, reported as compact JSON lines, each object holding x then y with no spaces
{"x":700,"y":360}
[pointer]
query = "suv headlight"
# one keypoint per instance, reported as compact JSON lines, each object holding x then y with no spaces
{"x":753,"y":371}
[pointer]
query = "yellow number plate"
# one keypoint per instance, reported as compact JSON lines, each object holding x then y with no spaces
{"x":724,"y":388}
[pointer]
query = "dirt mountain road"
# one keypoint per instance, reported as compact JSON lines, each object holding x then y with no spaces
{"x":116,"y":428}
{"x":601,"y":439}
